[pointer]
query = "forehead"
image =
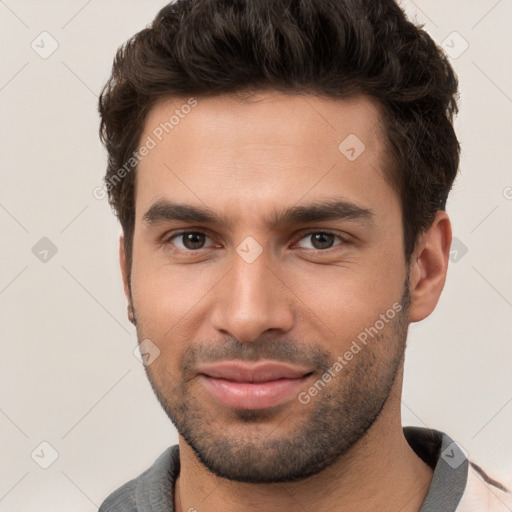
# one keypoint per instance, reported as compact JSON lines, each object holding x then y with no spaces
{"x":269,"y":145}
{"x":264,"y":117}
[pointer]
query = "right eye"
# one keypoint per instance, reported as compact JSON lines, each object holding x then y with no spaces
{"x":190,"y":241}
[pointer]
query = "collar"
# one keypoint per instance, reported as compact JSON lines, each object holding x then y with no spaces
{"x":154,"y":489}
{"x":449,"y":463}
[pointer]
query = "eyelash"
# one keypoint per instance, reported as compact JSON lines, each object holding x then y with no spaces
{"x":167,"y":240}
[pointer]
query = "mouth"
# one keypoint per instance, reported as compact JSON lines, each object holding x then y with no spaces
{"x":253,"y":386}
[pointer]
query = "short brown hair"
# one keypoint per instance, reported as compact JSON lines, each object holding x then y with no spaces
{"x":335,"y":48}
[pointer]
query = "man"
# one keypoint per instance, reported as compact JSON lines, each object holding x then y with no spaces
{"x":280,"y":170}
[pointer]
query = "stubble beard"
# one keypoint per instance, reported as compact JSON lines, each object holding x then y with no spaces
{"x":246,"y":449}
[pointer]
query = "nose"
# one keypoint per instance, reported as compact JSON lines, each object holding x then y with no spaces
{"x":252,"y":300}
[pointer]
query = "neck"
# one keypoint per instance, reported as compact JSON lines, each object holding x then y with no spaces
{"x":380,"y":473}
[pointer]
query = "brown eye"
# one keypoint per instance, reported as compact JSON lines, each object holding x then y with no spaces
{"x":320,"y":240}
{"x":189,"y":240}
{"x":193,"y":240}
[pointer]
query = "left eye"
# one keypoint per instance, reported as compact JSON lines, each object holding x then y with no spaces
{"x":321,"y":240}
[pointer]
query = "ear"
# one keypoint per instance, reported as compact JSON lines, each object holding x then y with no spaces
{"x":125,"y":273}
{"x":429,"y":264}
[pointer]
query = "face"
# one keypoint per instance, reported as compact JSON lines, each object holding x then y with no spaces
{"x":269,"y":277}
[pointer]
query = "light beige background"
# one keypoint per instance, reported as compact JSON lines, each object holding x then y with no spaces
{"x":68,"y":375}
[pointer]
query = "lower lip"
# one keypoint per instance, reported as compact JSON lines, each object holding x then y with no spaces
{"x":260,"y":395}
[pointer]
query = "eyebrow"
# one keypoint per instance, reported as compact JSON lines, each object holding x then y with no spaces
{"x":165,"y":211}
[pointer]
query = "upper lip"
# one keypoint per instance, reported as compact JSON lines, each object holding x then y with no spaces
{"x":255,"y":372}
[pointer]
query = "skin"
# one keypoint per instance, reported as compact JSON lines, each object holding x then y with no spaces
{"x":244,"y":159}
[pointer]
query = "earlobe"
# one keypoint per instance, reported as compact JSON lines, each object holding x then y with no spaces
{"x":429,"y":265}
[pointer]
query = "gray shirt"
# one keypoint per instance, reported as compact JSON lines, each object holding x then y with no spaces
{"x":153,"y":490}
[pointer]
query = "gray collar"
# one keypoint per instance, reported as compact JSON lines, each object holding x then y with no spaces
{"x":449,"y":463}
{"x":153,"y":490}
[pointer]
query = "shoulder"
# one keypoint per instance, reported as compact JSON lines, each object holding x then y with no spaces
{"x":486,"y":492}
{"x":122,"y":499}
{"x":154,"y":485}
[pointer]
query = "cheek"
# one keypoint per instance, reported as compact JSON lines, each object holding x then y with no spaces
{"x":163,"y":292}
{"x":350,"y":296}
{"x":168,"y":301}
